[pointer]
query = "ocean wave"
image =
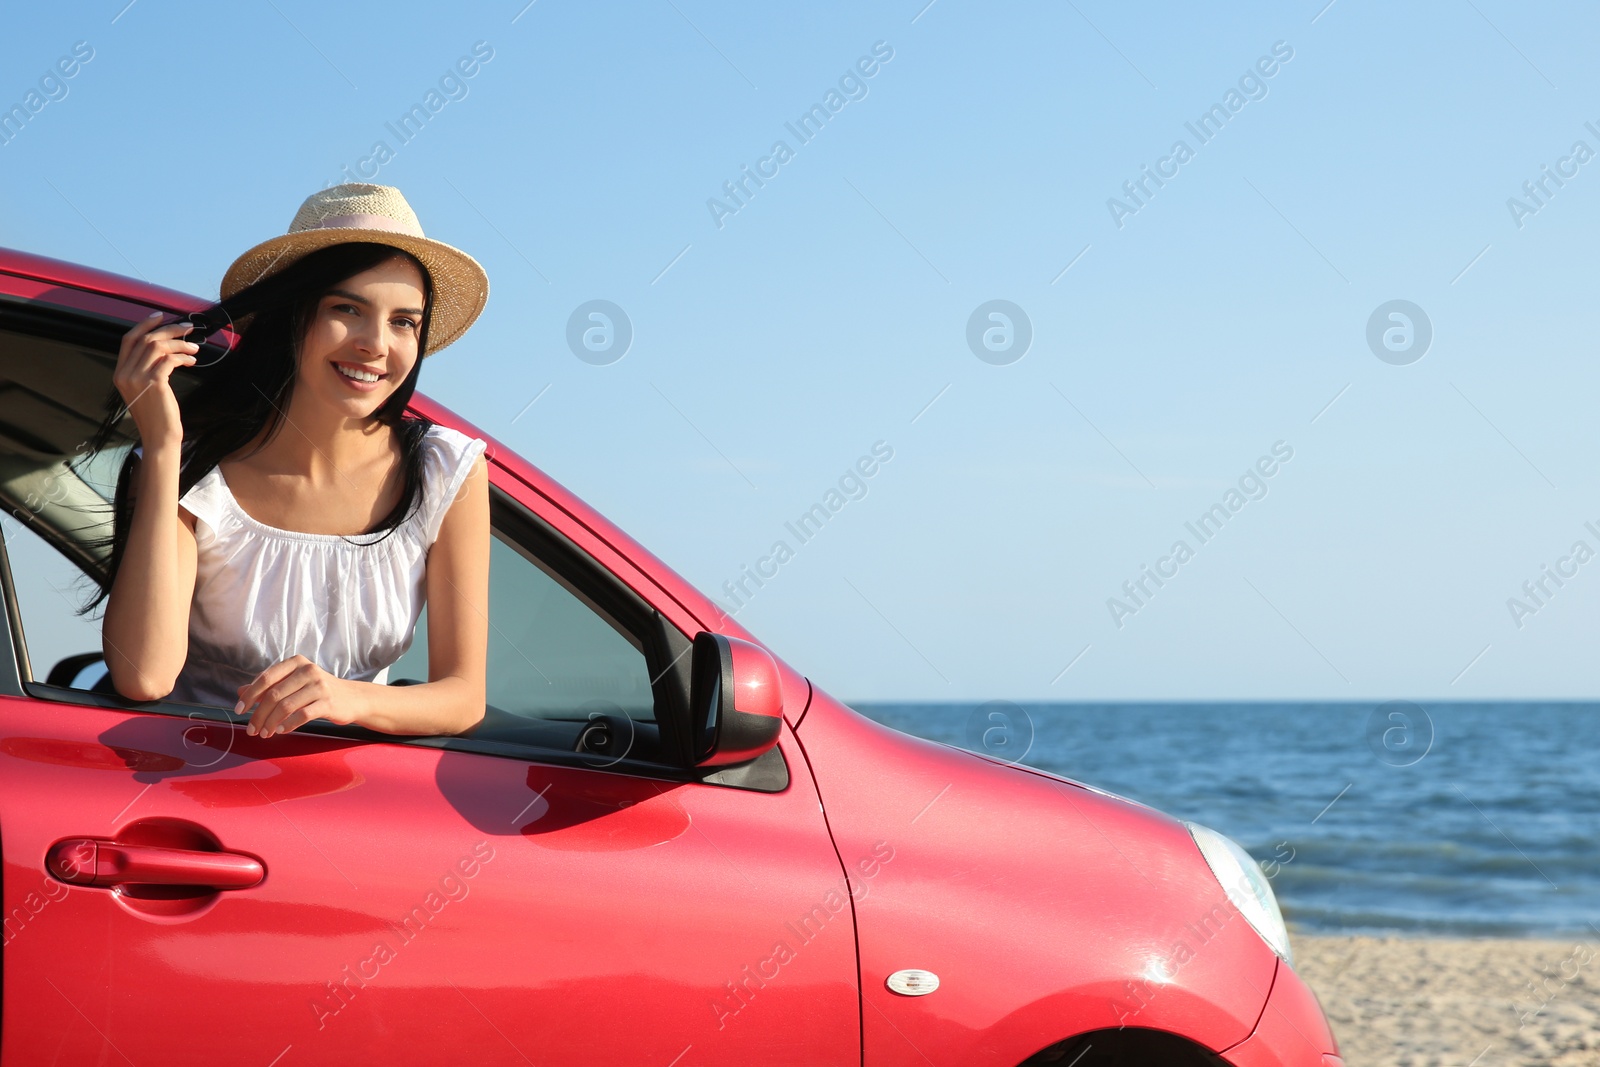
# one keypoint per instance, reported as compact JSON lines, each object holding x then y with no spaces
{"x":1491,"y":833}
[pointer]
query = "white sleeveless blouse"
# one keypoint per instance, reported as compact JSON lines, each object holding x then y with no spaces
{"x":262,"y":595}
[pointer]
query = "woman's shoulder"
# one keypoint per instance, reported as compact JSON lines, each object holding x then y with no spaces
{"x":449,"y":456}
{"x":451,"y":449}
{"x":449,"y":437}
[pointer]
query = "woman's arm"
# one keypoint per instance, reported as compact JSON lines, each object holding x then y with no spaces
{"x":289,"y":694}
{"x":454,"y":697}
{"x":144,"y":635}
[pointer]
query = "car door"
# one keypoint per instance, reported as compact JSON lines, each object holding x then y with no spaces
{"x":555,"y":889}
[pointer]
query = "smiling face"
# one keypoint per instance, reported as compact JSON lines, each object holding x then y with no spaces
{"x":367,"y":325}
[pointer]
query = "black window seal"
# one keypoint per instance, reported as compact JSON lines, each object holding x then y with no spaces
{"x":505,"y":749}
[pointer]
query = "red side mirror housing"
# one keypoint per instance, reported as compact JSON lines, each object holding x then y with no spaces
{"x":735,"y":700}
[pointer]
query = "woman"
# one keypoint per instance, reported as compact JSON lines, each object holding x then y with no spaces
{"x":234,"y":571}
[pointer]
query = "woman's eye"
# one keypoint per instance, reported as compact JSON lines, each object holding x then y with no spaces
{"x":352,"y":307}
{"x":409,"y":324}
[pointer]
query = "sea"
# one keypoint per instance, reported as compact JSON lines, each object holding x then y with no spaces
{"x":1421,"y":819}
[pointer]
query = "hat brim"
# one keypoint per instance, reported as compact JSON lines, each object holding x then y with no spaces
{"x":460,"y":284}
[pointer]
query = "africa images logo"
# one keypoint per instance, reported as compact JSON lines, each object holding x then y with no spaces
{"x":1252,"y":85}
{"x":1251,"y":485}
{"x":852,"y":85}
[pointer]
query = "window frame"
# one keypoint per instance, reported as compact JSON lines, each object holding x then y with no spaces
{"x":564,"y":560}
{"x":667,"y":649}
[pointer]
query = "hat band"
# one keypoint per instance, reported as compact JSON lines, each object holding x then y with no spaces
{"x":365,"y":221}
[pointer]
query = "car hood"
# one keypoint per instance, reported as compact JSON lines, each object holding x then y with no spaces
{"x":1047,"y":907}
{"x":1027,"y":769}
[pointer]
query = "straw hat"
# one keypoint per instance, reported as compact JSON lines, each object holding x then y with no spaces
{"x":356,"y":211}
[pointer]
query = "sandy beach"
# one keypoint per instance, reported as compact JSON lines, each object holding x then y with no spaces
{"x":1416,"y":1002}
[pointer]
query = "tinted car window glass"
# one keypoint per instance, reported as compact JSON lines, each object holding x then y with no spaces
{"x":49,"y":589}
{"x":552,"y":655}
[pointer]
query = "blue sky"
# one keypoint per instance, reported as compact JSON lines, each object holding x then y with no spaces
{"x":774,"y":346}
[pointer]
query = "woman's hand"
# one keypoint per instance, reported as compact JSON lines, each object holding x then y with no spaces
{"x":292,"y":692}
{"x":144,"y":364}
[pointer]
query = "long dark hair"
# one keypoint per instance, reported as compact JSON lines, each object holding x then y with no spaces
{"x":233,"y":397}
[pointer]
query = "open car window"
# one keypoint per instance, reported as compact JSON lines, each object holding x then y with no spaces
{"x":581,"y":669}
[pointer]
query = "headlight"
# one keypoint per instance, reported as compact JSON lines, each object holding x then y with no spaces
{"x":1245,"y":885}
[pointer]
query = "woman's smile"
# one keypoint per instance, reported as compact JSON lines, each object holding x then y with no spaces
{"x":348,"y":372}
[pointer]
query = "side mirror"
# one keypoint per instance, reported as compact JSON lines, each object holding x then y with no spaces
{"x":735,"y":701}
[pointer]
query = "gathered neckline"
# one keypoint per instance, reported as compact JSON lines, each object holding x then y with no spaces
{"x":299,"y":535}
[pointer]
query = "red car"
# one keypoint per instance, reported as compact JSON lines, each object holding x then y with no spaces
{"x":662,"y":847}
